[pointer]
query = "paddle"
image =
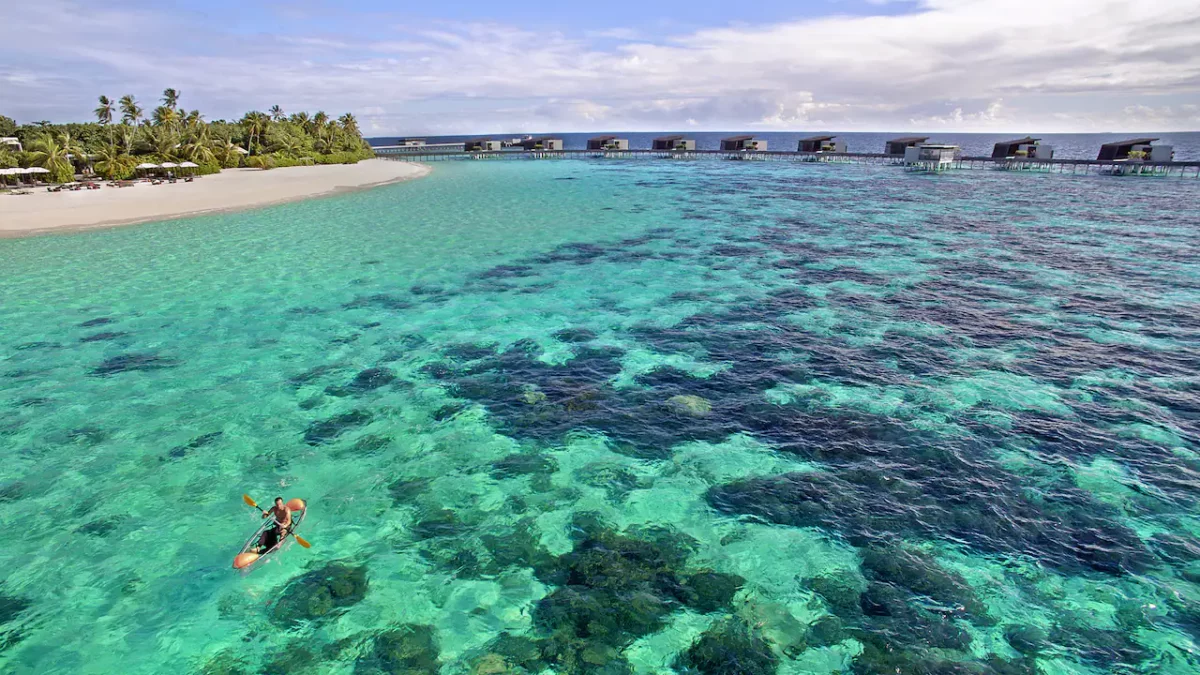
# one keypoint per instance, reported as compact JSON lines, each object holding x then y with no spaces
{"x":300,"y":540}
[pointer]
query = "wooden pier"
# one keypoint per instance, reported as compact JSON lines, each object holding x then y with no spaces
{"x":452,"y":152}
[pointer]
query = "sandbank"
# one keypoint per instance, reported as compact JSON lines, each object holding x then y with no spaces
{"x":44,"y":212}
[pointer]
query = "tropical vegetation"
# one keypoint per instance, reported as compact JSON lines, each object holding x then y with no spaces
{"x":125,"y":135}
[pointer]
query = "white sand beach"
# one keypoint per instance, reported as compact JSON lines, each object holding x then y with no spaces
{"x":43,"y":212}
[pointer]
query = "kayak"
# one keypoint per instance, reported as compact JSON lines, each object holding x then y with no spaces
{"x":247,"y":558}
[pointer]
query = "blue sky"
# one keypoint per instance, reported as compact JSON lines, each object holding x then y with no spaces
{"x":535,"y":65}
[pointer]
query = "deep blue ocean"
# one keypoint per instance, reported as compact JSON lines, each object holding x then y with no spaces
{"x":1066,"y":146}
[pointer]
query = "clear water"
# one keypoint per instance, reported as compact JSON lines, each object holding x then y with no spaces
{"x":914,"y":421}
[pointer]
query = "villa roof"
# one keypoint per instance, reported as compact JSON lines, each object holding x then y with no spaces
{"x":909,"y":139}
{"x":818,"y":139}
{"x":602,"y":138}
{"x":738,"y":138}
{"x":1131,"y":141}
{"x":672,"y":137}
{"x":1020,"y":141}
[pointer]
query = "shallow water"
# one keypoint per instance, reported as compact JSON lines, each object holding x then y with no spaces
{"x":615,"y":417}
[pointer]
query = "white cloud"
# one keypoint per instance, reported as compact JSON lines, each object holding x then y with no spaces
{"x":941,"y":64}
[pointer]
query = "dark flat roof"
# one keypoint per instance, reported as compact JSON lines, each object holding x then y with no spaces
{"x":737,"y":138}
{"x":1020,"y":141}
{"x":819,"y":138}
{"x":674,"y":137}
{"x":602,"y":138}
{"x":548,"y":138}
{"x":908,"y":139}
{"x":480,"y":140}
{"x":1131,"y":141}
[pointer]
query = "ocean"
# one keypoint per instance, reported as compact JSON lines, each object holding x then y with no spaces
{"x":615,"y":417}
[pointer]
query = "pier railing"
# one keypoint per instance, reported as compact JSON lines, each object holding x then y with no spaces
{"x":454,"y":151}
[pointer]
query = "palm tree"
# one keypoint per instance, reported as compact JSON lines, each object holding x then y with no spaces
{"x":46,"y":152}
{"x":166,"y":116}
{"x":126,"y":138}
{"x":198,"y":145}
{"x":277,"y":113}
{"x":349,"y":124}
{"x":193,"y":119}
{"x":287,"y":144}
{"x":104,"y":111}
{"x":165,"y":142}
{"x":131,"y":112}
{"x":170,"y":98}
{"x":324,"y":140}
{"x":301,"y":118}
{"x":256,"y":124}
{"x":319,"y":120}
{"x":72,"y":146}
{"x":113,"y":163}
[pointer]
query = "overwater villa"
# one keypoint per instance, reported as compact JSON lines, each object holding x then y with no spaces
{"x":1136,"y":149}
{"x":931,"y":156}
{"x":1022,"y":148}
{"x":607,"y":143}
{"x":542,"y":143}
{"x":482,"y":145}
{"x":738,"y":143}
{"x":821,"y":144}
{"x":410,"y":142}
{"x":674,"y":142}
{"x":898,"y":146}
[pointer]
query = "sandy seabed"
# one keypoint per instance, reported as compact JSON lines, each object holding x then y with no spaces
{"x":43,"y":212}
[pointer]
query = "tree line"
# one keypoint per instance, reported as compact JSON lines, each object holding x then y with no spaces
{"x":124,"y":136}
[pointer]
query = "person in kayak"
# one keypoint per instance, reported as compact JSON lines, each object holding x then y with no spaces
{"x":283,"y":521}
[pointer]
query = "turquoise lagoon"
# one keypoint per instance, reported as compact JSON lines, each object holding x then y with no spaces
{"x":606,"y":417}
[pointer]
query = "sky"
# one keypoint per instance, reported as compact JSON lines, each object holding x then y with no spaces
{"x":484,"y":66}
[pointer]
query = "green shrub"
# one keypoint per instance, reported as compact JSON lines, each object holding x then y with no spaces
{"x":61,"y":174}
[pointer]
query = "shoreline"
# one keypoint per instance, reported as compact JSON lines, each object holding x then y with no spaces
{"x":230,"y":191}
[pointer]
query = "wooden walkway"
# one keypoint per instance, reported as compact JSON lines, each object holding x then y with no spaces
{"x":450,"y":152}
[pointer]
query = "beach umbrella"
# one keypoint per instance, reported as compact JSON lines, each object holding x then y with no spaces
{"x":147,"y":165}
{"x":36,"y":169}
{"x":189,"y":165}
{"x":168,"y":165}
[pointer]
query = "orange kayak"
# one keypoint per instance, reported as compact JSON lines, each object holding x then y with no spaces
{"x":248,"y":557}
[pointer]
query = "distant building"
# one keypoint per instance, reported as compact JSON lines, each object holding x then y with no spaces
{"x":11,"y":142}
{"x":410,"y":142}
{"x":675,"y":142}
{"x":608,"y":143}
{"x":738,"y":143}
{"x":542,"y":143}
{"x":482,"y":145}
{"x":931,"y":156}
{"x":1022,"y":147}
{"x":1141,"y":148}
{"x":897,"y":146}
{"x":821,"y":144}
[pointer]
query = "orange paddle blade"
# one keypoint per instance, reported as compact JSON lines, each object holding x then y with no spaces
{"x":302,"y":541}
{"x":246,"y":498}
